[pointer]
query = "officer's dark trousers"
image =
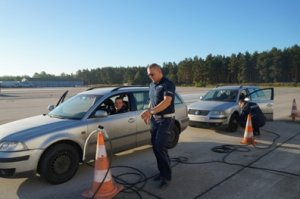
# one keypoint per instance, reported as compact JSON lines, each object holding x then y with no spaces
{"x":160,"y":132}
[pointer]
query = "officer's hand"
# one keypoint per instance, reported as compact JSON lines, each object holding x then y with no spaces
{"x":146,"y":116}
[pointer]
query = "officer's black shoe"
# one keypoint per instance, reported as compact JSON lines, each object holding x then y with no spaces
{"x":164,"y":184}
{"x":256,"y":132}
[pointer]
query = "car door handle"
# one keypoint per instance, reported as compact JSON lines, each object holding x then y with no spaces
{"x":131,"y":120}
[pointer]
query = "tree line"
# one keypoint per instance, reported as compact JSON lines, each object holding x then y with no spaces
{"x":274,"y":66}
{"x":266,"y":67}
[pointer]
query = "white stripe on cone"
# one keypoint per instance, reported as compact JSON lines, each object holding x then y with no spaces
{"x":100,"y":174}
{"x":101,"y":151}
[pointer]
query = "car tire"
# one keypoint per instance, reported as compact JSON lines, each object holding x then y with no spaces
{"x":233,"y":122}
{"x":59,"y":163}
{"x":174,"y":137}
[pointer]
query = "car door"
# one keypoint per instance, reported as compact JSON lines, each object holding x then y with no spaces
{"x":60,"y":101}
{"x":121,"y":128}
{"x":265,"y":99}
{"x":141,"y":99}
{"x":62,"y":98}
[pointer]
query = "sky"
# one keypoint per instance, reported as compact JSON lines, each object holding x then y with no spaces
{"x":64,"y":36}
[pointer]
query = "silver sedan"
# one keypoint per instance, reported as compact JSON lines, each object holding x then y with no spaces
{"x":219,"y":106}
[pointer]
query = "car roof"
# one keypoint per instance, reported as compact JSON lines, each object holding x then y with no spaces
{"x":107,"y":90}
{"x":235,"y":87}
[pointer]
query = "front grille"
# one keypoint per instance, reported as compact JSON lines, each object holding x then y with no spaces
{"x":7,"y":172}
{"x":198,"y":112}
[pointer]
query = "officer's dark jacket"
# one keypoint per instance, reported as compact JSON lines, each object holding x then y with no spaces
{"x":257,"y":117}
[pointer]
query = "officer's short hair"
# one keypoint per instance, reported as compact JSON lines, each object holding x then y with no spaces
{"x":154,"y":66}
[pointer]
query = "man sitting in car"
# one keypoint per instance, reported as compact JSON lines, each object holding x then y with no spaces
{"x":120,"y":106}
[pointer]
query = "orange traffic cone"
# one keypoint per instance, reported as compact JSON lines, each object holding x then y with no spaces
{"x":248,"y":135}
{"x":294,"y":112}
{"x":108,"y":189}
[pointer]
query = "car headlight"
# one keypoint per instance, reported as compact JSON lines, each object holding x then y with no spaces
{"x":217,"y":113}
{"x":6,"y":146}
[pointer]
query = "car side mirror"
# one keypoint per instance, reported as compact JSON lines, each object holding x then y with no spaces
{"x":51,"y":107}
{"x":101,"y":113}
{"x":200,"y":97}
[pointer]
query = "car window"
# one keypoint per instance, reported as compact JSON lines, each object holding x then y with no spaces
{"x":108,"y":104}
{"x":141,"y":100}
{"x":177,"y":100}
{"x":257,"y":95}
{"x":75,"y":107}
{"x":251,"y":90}
{"x":226,"y":95}
{"x":248,"y":91}
{"x":124,"y":98}
{"x":262,"y":94}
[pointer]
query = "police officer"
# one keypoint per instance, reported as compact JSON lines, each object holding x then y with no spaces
{"x":257,"y":117}
{"x":160,"y":115}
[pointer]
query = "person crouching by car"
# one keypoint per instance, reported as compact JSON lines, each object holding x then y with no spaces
{"x":257,"y":117}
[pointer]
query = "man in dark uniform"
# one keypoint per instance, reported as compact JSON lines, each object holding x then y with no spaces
{"x":160,"y":115}
{"x":257,"y":117}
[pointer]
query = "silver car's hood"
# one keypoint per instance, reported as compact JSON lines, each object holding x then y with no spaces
{"x":33,"y":126}
{"x":211,"y":105}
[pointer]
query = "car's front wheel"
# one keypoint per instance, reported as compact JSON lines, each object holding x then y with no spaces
{"x":233,"y":122}
{"x":59,"y":163}
{"x":174,"y":137}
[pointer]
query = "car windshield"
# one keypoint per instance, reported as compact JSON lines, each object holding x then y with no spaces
{"x":226,"y":95}
{"x":75,"y":107}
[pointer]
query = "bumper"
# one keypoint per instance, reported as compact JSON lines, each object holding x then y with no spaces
{"x":19,"y":164}
{"x":217,"y":119}
{"x":184,"y":123}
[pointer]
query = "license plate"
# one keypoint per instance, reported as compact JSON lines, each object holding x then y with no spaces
{"x":202,"y":119}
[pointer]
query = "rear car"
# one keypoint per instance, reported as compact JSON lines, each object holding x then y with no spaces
{"x":52,"y":144}
{"x":219,"y":106}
